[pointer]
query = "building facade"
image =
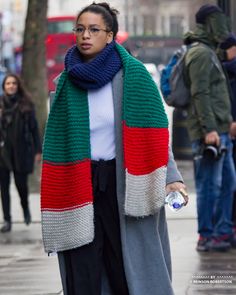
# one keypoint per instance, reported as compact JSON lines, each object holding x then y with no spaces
{"x":138,"y":17}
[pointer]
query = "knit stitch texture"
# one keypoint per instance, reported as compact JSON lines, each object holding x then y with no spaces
{"x":67,"y":200}
{"x":95,"y":74}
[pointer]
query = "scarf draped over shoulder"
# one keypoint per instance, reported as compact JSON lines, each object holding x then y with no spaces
{"x":66,"y":191}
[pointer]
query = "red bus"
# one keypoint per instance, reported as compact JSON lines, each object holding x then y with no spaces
{"x":60,"y":38}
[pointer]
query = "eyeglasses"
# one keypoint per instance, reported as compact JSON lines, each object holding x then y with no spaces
{"x":92,"y":31}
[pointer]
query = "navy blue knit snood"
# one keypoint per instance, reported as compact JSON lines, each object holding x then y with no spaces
{"x":96,"y":73}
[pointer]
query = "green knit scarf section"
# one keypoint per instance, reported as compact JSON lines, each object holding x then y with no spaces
{"x":67,"y":136}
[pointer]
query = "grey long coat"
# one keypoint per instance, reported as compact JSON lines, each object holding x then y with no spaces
{"x":145,"y":241}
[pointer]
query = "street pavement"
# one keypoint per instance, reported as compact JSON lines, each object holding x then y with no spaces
{"x":197,"y":273}
{"x":26,"y":269}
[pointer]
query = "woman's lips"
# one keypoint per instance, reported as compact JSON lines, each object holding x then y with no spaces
{"x":86,"y":46}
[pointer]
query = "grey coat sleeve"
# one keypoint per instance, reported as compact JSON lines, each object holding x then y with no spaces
{"x":173,"y":173}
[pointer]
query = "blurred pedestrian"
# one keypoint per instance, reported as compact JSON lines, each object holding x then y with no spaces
{"x":19,"y":145}
{"x":104,"y":176}
{"x":230,"y":66}
{"x":209,"y":119}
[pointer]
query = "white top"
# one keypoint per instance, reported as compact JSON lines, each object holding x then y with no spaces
{"x":101,"y":118}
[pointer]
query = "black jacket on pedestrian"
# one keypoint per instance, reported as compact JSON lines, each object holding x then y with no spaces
{"x":19,"y":135}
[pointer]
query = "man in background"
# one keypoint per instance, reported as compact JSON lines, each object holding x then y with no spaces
{"x":209,"y":119}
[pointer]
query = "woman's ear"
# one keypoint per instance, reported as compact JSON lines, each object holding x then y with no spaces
{"x":109,"y":37}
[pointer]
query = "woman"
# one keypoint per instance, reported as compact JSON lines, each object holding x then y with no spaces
{"x":19,"y":144}
{"x":104,"y":168}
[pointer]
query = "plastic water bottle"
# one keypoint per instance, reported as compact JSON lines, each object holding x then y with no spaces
{"x":175,"y":201}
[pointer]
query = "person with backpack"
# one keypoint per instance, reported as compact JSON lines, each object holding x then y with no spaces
{"x":208,"y":123}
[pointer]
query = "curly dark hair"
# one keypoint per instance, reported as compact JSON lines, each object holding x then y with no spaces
{"x":109,"y":15}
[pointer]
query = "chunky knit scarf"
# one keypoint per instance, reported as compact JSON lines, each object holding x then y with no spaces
{"x":67,"y":198}
{"x":95,"y":74}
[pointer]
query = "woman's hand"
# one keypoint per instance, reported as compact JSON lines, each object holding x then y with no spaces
{"x":180,"y":187}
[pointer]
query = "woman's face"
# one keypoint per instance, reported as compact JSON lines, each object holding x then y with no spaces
{"x":91,"y":35}
{"x":10,"y":86}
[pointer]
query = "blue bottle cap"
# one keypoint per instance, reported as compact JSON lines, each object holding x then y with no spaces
{"x":176,"y":205}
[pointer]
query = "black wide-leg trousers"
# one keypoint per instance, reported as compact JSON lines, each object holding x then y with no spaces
{"x":83,"y":265}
